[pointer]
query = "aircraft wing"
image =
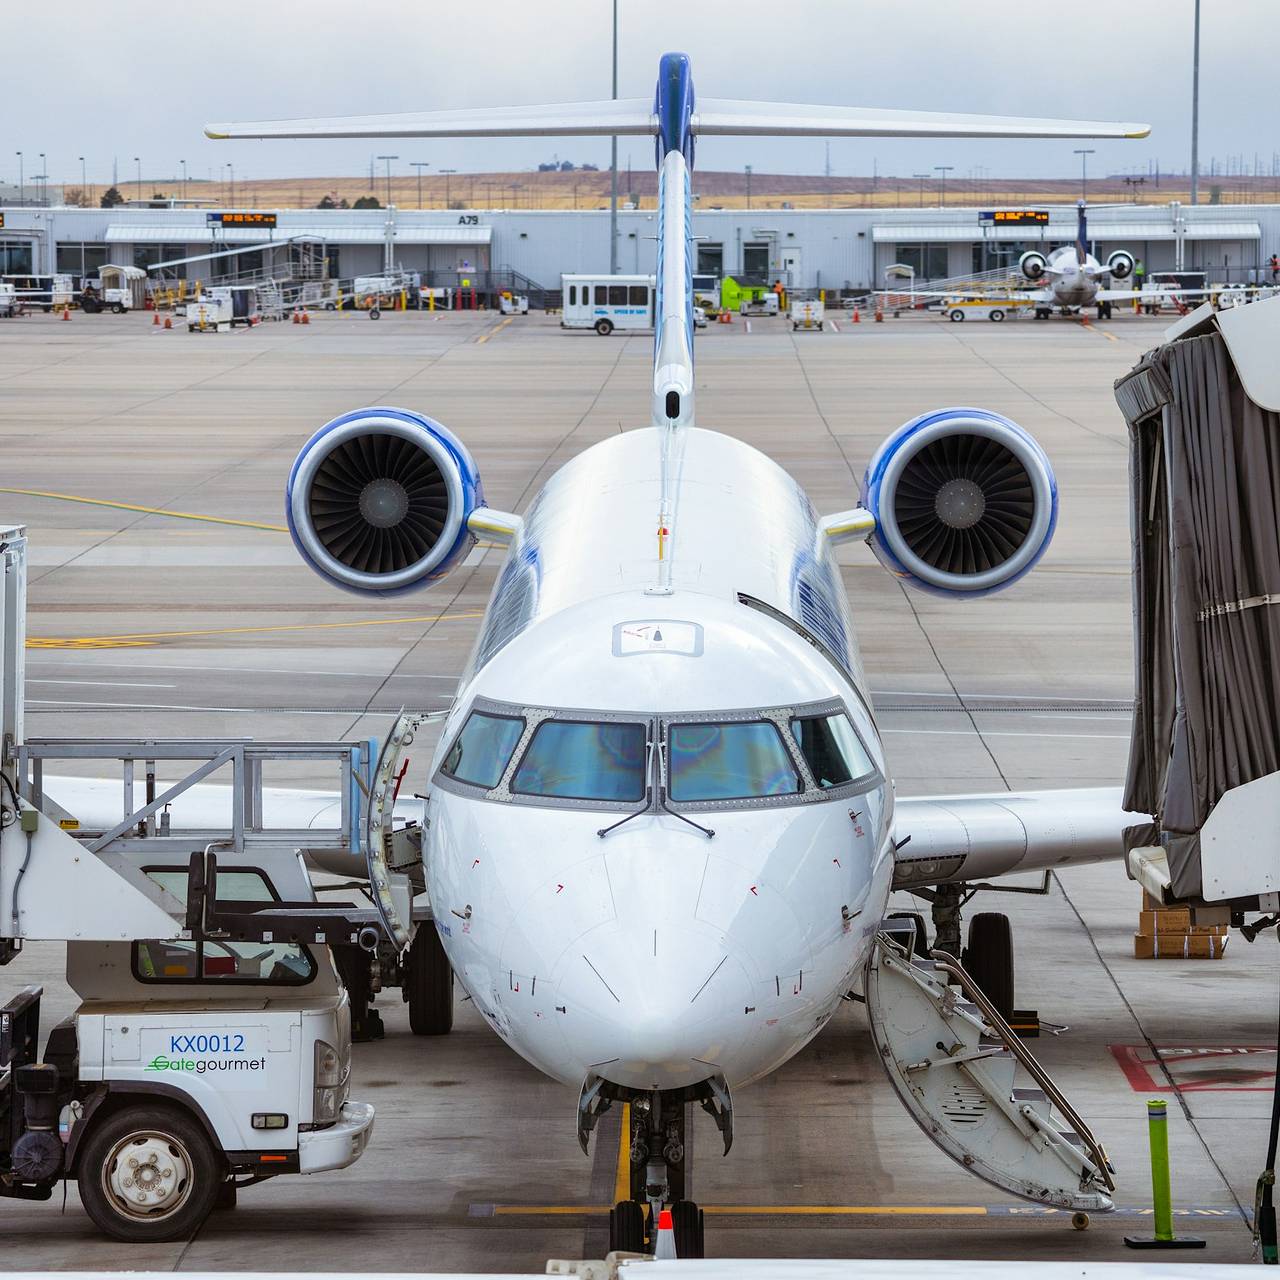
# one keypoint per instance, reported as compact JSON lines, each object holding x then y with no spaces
{"x":711,"y":117}
{"x":975,"y":837}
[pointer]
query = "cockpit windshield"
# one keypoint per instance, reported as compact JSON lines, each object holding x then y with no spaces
{"x":582,"y":760}
{"x":616,"y":759}
{"x":738,"y":760}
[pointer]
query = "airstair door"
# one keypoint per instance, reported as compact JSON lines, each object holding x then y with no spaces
{"x":392,"y":892}
{"x":953,"y":1064}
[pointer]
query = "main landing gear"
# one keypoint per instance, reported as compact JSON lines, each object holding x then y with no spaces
{"x":989,"y":955}
{"x":659,"y":1130}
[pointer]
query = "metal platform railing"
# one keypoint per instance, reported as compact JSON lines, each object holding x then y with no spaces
{"x":179,"y":818}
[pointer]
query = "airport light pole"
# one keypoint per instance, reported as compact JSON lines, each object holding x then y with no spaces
{"x":84,"y":182}
{"x":22,"y":185}
{"x":613,"y":161}
{"x":1084,"y":153}
{"x":44,"y":177}
{"x":747,"y":170}
{"x":448,"y":203}
{"x":388,"y":159}
{"x":922,"y":177}
{"x":419,"y":165}
{"x":138,"y":161}
{"x":1195,"y":110}
{"x":943,"y":169}
{"x":183,"y":163}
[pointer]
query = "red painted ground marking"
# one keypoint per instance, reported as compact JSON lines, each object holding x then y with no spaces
{"x":1231,"y":1068}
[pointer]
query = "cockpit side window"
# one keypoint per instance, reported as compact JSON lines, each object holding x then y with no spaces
{"x":481,"y":752}
{"x":584,"y":760}
{"x":737,"y":760}
{"x":832,"y":749}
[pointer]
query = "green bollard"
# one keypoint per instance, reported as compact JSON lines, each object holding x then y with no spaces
{"x":1162,"y":1198}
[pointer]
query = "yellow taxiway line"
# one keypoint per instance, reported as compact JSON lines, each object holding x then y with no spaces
{"x":497,"y":328}
{"x":150,"y":511}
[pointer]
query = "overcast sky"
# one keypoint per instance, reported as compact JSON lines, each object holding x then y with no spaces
{"x":142,"y":77}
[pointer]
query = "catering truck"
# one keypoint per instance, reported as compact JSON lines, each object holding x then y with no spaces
{"x":210,"y":1048}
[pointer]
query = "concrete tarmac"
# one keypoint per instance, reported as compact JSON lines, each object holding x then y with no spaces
{"x":159,"y":625}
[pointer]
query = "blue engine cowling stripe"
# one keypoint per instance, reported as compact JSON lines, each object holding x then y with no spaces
{"x":469,"y":475}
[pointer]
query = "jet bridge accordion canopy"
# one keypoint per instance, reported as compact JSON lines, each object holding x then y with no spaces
{"x":1204,"y":464}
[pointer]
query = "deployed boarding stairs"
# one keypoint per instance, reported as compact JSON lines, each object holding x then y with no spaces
{"x":954,"y":1063}
{"x":997,"y":282}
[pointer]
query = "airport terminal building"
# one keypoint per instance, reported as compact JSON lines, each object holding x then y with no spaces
{"x":833,"y":249}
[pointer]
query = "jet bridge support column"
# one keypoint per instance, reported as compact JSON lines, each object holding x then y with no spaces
{"x":13,"y":641}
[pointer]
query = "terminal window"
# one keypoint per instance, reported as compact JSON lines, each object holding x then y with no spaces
{"x":928,"y":260}
{"x":711,"y":260}
{"x":15,"y":258}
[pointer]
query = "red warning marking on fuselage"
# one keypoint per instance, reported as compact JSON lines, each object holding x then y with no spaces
{"x":559,"y":887}
{"x":753,"y":890}
{"x":475,"y":864}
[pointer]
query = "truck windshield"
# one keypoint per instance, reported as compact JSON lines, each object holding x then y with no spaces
{"x":729,"y":761}
{"x":583,"y":760}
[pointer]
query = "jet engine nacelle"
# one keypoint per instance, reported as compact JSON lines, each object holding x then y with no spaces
{"x":1120,"y":265}
{"x":378,"y":501}
{"x":965,"y":502}
{"x":1033,"y":265}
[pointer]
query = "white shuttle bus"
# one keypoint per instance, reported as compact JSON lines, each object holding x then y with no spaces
{"x":605,"y":303}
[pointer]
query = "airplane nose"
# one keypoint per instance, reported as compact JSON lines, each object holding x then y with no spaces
{"x":656,"y":1006}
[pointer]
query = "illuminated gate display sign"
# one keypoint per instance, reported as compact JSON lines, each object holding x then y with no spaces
{"x":1015,"y":217}
{"x":241,"y":219}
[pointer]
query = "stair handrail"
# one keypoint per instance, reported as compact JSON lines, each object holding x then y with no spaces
{"x":1006,"y":1034}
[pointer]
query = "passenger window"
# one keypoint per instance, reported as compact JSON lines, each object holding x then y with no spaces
{"x":576,"y":760}
{"x":832,"y":749}
{"x":602,"y":295}
{"x":617,"y":295}
{"x":573,"y":295}
{"x":481,"y":752}
{"x":639,"y":295}
{"x":185,"y":961}
{"x":736,"y":761}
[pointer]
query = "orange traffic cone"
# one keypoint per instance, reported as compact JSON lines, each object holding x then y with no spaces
{"x":66,"y":313}
{"x":857,"y":316}
{"x":297,"y":319}
{"x":306,"y":317}
{"x":155,"y":319}
{"x":879,"y":316}
{"x":665,"y":1245}
{"x":168,"y":322}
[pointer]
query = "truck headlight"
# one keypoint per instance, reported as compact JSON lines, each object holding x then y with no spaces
{"x":328,"y":1078}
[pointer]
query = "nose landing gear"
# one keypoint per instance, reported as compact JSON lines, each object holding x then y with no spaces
{"x":657,"y":1136}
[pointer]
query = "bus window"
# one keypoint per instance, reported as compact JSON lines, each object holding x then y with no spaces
{"x":639,"y":295}
{"x":573,"y":295}
{"x":617,"y":295}
{"x":602,"y":295}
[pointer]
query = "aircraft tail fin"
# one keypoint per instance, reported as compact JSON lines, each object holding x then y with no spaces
{"x":1082,"y":235}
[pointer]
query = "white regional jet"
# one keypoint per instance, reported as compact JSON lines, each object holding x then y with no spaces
{"x":660,"y":833}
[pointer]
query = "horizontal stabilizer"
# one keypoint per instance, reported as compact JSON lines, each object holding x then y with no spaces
{"x":626,"y":116}
{"x":730,"y":116}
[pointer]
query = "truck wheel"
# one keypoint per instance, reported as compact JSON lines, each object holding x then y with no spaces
{"x":374,"y":313}
{"x":996,"y":315}
{"x":957,"y":315}
{"x":989,"y":959}
{"x":149,"y":1174}
{"x":428,"y":981}
{"x":117,"y":309}
{"x":604,"y":327}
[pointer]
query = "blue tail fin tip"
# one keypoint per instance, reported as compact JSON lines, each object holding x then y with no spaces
{"x":673,"y":105}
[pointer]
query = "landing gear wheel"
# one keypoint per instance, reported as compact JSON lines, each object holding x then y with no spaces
{"x":989,"y":959}
{"x":626,"y":1228}
{"x":428,"y":984}
{"x":686,"y":1219}
{"x":922,"y":938}
{"x":604,"y":327}
{"x":148,"y":1174}
{"x":355,"y":966}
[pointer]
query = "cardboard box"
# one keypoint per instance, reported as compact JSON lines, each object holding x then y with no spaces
{"x":1179,"y":946}
{"x":1174,"y":920}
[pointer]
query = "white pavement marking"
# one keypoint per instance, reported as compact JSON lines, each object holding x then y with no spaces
{"x":103,"y":684}
{"x":835,"y":328}
{"x":1006,"y":733}
{"x":174,"y":706}
{"x":746,"y":324}
{"x":263,"y":671}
